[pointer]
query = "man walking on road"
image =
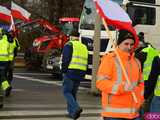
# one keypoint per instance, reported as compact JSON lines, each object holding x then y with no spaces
{"x":4,"y":57}
{"x":74,"y":66}
{"x":117,"y":99}
{"x":13,"y":49}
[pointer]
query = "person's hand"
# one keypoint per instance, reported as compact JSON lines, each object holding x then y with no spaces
{"x":128,"y":87}
{"x":63,"y":74}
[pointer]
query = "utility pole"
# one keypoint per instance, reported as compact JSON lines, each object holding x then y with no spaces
{"x":96,"y":53}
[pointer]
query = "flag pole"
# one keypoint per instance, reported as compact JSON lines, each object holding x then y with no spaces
{"x":12,"y":26}
{"x":123,"y":69}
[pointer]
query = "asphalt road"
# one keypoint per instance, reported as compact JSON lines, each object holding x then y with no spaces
{"x":38,"y":96}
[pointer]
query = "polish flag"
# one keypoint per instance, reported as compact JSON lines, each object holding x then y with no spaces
{"x":19,"y":12}
{"x":114,"y":15}
{"x":5,"y":14}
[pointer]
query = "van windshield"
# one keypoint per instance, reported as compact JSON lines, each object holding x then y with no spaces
{"x":88,"y":16}
{"x":142,"y":15}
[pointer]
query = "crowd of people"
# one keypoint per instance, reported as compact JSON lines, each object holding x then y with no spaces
{"x":127,"y":79}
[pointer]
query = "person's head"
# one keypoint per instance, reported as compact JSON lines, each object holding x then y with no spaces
{"x":11,"y":33}
{"x":141,"y":36}
{"x":125,"y":41}
{"x":142,"y":43}
{"x":74,"y":34}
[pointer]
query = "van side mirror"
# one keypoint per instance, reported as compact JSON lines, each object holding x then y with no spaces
{"x":87,"y":10}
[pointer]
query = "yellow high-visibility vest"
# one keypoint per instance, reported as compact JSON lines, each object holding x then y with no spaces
{"x":4,"y":49}
{"x":79,"y":56}
{"x":157,"y":87}
{"x":151,"y":53}
{"x":13,"y":45}
{"x":5,"y":85}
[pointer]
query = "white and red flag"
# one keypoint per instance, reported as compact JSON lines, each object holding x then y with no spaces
{"x":19,"y":12}
{"x":5,"y":14}
{"x":114,"y":15}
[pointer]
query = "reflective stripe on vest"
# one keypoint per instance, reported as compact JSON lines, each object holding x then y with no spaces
{"x":157,"y":88}
{"x":119,"y":77}
{"x":120,"y":110}
{"x":5,"y":85}
{"x":151,"y":53}
{"x":79,"y":56}
{"x":4,"y":49}
{"x":102,"y":78}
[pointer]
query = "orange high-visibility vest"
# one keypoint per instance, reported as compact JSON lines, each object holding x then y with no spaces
{"x":117,"y":100}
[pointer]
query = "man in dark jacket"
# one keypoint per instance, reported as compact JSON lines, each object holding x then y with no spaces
{"x":153,"y":83}
{"x":148,"y":57}
{"x":74,"y":66}
{"x":4,"y":57}
{"x":13,"y":49}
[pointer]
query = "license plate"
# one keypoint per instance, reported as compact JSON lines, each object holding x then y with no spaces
{"x":49,"y":67}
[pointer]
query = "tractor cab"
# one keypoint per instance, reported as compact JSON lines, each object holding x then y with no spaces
{"x":67,"y":25}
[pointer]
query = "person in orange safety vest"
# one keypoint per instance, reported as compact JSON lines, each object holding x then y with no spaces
{"x":117,"y":99}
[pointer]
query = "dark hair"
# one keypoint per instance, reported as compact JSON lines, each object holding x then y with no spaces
{"x":141,"y":37}
{"x":74,"y":33}
{"x":123,"y":35}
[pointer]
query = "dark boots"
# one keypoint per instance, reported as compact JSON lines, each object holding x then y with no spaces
{"x":8,"y":91}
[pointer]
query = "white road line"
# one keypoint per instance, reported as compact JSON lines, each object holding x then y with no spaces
{"x":38,"y":80}
{"x":17,"y":90}
{"x":51,"y":114}
{"x":59,"y":83}
{"x":43,"y":112}
{"x":48,"y":106}
{"x":62,"y":118}
{"x":17,"y":73}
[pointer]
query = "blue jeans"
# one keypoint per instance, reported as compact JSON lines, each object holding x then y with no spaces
{"x":70,"y":88}
{"x":109,"y":118}
{"x":155,"y":104}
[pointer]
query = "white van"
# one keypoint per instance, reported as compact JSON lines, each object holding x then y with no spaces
{"x":145,"y":15}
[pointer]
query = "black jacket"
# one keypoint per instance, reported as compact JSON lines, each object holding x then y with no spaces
{"x":153,"y":76}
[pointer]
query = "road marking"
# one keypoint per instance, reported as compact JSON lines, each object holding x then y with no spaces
{"x":39,"y":74}
{"x":43,"y":112}
{"x":58,"y":83}
{"x":27,"y":111}
{"x":17,"y":90}
{"x":49,"y":106}
{"x":62,"y":118}
{"x":53,"y":112}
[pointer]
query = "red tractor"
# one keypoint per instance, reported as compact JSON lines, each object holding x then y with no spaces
{"x":46,"y":50}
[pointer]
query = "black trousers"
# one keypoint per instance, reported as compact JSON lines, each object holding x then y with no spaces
{"x":9,"y":72}
{"x":3,"y":77}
